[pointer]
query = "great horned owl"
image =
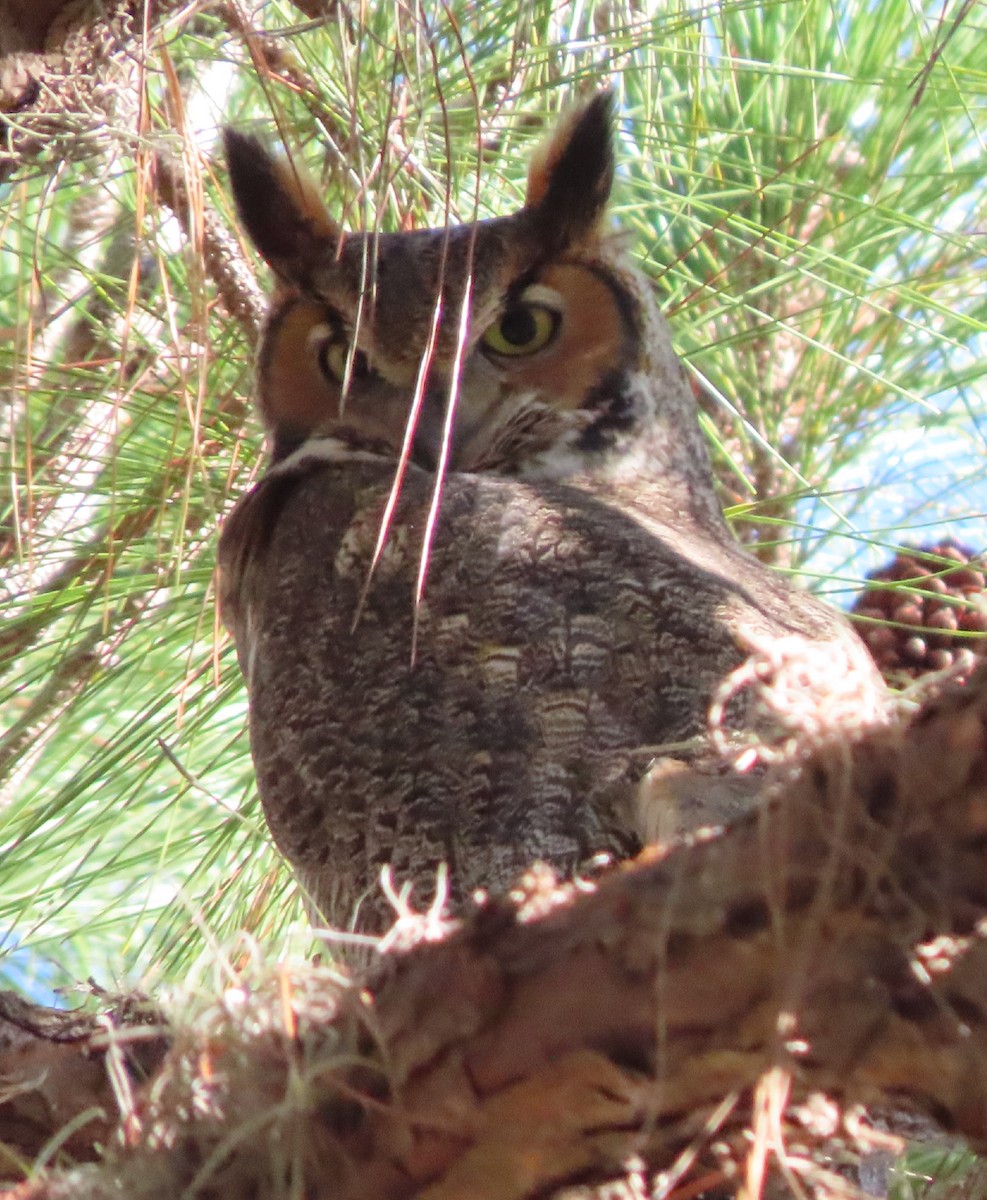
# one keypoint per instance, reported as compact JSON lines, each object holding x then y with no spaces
{"x":486,"y":578}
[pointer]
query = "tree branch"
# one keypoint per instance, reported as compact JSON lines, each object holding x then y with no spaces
{"x":831,"y":943}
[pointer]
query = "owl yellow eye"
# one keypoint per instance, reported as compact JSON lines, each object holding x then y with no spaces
{"x":332,"y":359}
{"x":523,"y":328}
{"x":333,"y":353}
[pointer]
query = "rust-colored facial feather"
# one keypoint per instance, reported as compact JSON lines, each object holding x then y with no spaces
{"x":594,"y":339}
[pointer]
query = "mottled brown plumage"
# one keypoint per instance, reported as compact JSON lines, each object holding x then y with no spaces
{"x":583,"y":596}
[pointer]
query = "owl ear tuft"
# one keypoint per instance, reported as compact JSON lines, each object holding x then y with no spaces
{"x":278,"y":206}
{"x":570,"y":175}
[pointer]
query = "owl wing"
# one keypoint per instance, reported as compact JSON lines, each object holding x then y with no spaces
{"x":559,"y":646}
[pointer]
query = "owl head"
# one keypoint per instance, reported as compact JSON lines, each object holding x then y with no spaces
{"x":527,"y":345}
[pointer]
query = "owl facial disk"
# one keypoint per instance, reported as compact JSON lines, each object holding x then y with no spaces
{"x":539,"y":371}
{"x":593,"y":339}
{"x":550,"y":367}
{"x":313,"y":380}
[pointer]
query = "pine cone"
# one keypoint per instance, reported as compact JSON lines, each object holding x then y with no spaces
{"x":923,"y":619}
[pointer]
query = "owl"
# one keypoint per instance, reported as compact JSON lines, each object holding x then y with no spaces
{"x":485,"y":580}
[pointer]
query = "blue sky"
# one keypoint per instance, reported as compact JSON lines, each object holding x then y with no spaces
{"x":918,"y":481}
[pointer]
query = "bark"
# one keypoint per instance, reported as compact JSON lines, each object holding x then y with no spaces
{"x":683,"y":1016}
{"x":58,"y":1069}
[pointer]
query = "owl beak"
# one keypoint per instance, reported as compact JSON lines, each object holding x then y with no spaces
{"x":430,"y":431}
{"x":430,"y":425}
{"x":425,"y":452}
